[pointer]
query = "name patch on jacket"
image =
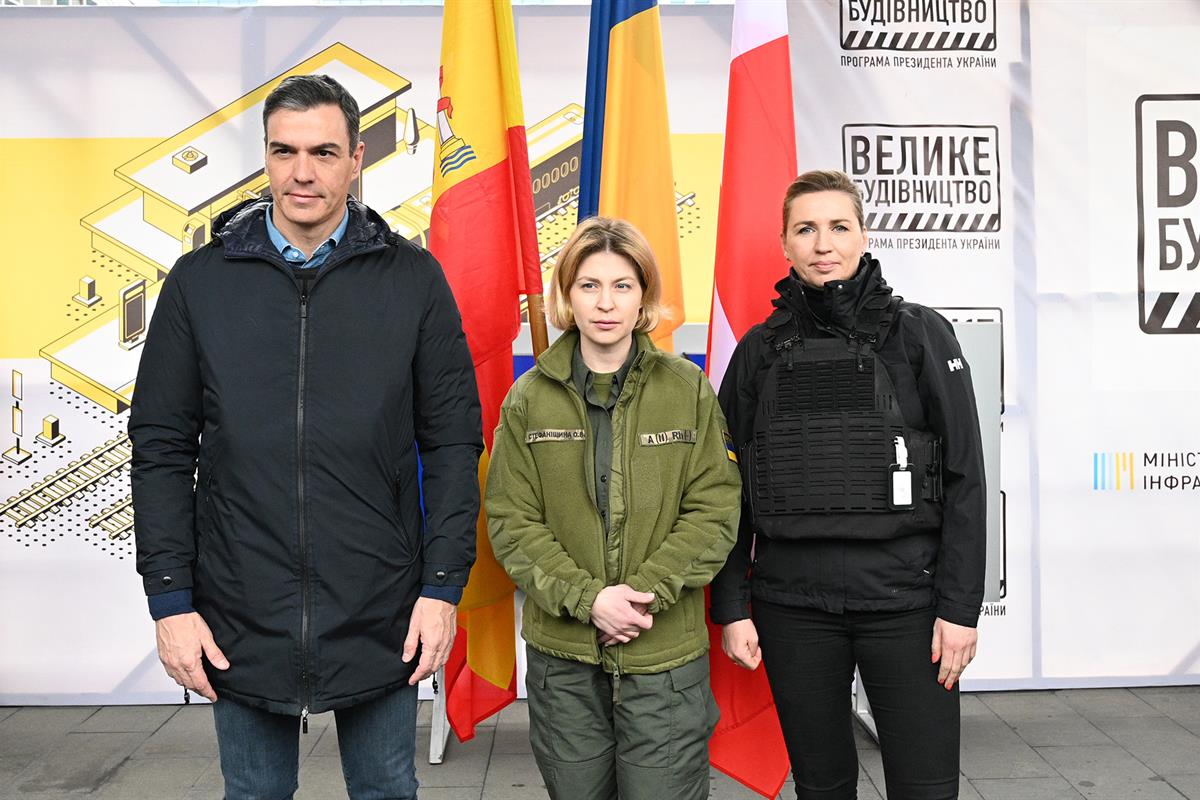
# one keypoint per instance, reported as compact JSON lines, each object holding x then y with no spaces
{"x":556,"y":435}
{"x":668,"y":437}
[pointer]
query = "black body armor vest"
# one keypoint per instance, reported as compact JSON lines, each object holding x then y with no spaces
{"x":821,"y":460}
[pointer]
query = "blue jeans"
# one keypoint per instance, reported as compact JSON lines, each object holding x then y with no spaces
{"x":377,"y":739}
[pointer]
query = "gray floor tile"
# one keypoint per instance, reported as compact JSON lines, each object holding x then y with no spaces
{"x":511,"y":740}
{"x":513,"y":777}
{"x":125,"y":719}
{"x":319,"y":726}
{"x":991,"y":749}
{"x":8,"y":711}
{"x":1059,"y":730}
{"x":321,"y":779}
{"x":972,"y":705}
{"x":465,"y":764}
{"x":966,"y":791}
{"x":723,"y":787}
{"x":153,"y":779}
{"x":870,"y":766}
{"x":1098,"y":764}
{"x":1056,"y":788}
{"x":33,"y":731}
{"x":515,"y":714}
{"x":209,"y":784}
{"x":79,"y":763}
{"x":1149,"y":789}
{"x":863,"y":739}
{"x":1106,"y":703}
{"x":1186,"y":785}
{"x":1014,"y":707}
{"x":1172,"y":700}
{"x":187,"y":734}
{"x":11,"y":768}
{"x":452,"y":793}
{"x":1160,"y":743}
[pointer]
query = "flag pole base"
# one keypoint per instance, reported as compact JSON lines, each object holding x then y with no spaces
{"x":439,"y":729}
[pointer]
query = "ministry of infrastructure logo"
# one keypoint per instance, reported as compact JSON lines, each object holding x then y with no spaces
{"x":918,"y":25}
{"x":1151,"y":471}
{"x":1113,"y":472}
{"x":1168,"y":201}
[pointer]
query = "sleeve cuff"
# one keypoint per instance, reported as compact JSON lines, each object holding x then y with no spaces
{"x":725,"y":613}
{"x":170,"y":604}
{"x":447,"y":594}
{"x":967,"y":616}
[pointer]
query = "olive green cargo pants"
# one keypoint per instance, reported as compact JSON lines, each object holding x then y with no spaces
{"x":648,"y":740}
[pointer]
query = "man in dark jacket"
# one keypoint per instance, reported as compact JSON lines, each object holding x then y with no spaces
{"x":294,"y":367}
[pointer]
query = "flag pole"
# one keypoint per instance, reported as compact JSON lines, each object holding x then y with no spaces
{"x":537,"y":323}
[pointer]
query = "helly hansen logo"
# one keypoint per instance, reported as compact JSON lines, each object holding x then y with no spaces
{"x":667,"y":437}
{"x":1168,"y":168}
{"x":918,"y":25}
{"x":955,"y":364}
{"x":926,"y":178}
{"x":556,"y":435}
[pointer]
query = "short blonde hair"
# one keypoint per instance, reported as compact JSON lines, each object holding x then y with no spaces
{"x":605,"y":235}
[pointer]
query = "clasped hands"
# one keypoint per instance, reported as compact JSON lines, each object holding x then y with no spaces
{"x":620,"y":613}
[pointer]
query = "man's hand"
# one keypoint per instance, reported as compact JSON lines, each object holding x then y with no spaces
{"x":954,"y":646}
{"x":181,"y":640}
{"x":433,"y":624}
{"x":739,"y":640}
{"x":621,"y":613}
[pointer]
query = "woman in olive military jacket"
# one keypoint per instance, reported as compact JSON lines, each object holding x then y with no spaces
{"x":612,"y":500}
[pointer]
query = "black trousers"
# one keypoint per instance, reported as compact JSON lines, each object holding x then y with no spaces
{"x":810,"y":657}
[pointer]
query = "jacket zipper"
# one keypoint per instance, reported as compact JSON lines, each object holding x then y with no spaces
{"x":305,"y":689}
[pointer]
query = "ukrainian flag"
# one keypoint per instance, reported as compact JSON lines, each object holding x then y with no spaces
{"x":626,"y":166}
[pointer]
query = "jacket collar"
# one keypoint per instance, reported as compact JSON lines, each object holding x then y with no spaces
{"x":843,"y":301}
{"x":557,"y":361}
{"x":242,"y":230}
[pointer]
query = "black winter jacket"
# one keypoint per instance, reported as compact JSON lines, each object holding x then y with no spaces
{"x":275,"y":440}
{"x":836,"y":575}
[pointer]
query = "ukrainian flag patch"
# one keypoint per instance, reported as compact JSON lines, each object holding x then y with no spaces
{"x":730,"y":450}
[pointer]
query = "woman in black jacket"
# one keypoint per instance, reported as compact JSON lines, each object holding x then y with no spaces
{"x":863,"y":529}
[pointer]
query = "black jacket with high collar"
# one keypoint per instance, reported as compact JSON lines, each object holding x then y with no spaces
{"x":276,"y":425}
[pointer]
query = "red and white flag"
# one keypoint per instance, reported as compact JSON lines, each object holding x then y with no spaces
{"x":760,"y":162}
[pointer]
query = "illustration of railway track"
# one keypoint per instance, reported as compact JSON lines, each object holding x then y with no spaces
{"x":116,"y":521}
{"x":58,"y":489}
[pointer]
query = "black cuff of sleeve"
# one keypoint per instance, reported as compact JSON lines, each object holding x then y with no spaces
{"x":725,"y":613}
{"x":967,"y":616}
{"x":439,"y":575}
{"x":447,"y":594}
{"x":169,"y":604}
{"x":167,"y":580}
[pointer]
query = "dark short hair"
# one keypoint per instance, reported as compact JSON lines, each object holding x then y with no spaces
{"x":823,"y":180}
{"x":302,"y":92}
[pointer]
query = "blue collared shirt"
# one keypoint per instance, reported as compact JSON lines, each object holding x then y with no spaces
{"x":294,"y":255}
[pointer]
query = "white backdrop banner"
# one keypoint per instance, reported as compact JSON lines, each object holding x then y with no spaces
{"x":1035,"y":160}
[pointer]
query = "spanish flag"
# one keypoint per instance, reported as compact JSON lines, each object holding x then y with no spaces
{"x":482,"y":231}
{"x":626,"y":166}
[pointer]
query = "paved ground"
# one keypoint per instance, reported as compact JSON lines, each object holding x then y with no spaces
{"x":1100,"y":744}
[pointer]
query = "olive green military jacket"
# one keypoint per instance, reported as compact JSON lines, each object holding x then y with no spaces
{"x":674,"y":502}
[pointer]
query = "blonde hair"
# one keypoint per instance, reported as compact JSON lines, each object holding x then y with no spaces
{"x":605,"y":235}
{"x":823,"y":180}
